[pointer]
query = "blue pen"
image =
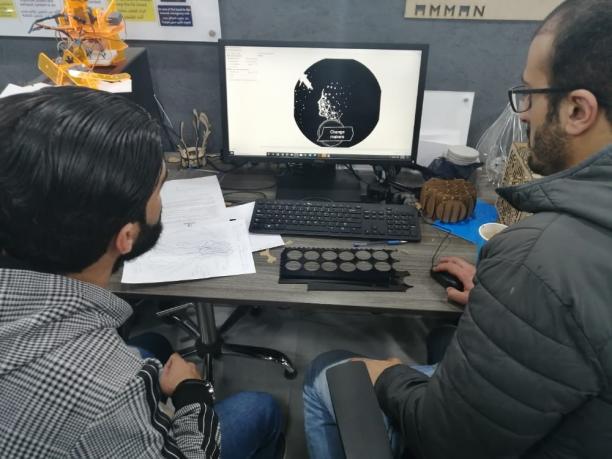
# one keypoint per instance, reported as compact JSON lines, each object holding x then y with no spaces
{"x":371,"y":243}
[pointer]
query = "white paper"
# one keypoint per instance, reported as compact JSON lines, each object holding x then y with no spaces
{"x":258,"y":241}
{"x":198,"y":240}
{"x":12,"y":89}
{"x":198,"y":250}
{"x":192,"y":200}
{"x":118,"y":87}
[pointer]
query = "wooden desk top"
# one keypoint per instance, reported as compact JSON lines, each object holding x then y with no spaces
{"x":262,"y":288}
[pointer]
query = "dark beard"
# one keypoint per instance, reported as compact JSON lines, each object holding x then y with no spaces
{"x":529,"y":135}
{"x":149,"y":234}
{"x":549,"y":150}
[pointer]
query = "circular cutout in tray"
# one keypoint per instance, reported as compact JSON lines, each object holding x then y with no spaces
{"x":346,"y":255}
{"x":293,"y":265}
{"x":348,"y":267}
{"x":329,"y":266}
{"x":382,"y":266}
{"x":364,"y":266}
{"x":329,"y":255}
{"x":294,"y":255}
{"x":380,"y":255}
{"x":311,"y":255}
{"x":312,"y":266}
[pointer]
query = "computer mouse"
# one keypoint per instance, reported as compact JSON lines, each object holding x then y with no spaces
{"x":446,"y":279}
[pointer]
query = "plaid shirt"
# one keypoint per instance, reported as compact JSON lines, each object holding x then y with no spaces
{"x":70,"y":387}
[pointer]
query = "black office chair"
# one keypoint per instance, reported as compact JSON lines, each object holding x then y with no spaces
{"x":358,"y":416}
{"x":209,"y":342}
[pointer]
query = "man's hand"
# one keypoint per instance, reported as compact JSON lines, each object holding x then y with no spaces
{"x":175,"y":371}
{"x":464,"y":271}
{"x":376,"y":367}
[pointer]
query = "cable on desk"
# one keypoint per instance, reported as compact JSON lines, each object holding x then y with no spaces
{"x":166,"y":124}
{"x":401,"y":187}
{"x":433,"y":258}
{"x":357,"y":176}
{"x":237,"y":201}
{"x":391,"y":183}
{"x":229,"y":170}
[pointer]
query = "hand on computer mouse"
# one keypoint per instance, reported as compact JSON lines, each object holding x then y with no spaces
{"x":461,"y":269}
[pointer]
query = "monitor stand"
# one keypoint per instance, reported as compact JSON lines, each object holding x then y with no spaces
{"x":316,"y":182}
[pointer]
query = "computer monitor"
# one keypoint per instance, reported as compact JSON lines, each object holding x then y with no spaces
{"x":322,"y":103}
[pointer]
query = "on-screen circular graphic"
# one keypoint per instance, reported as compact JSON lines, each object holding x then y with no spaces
{"x":337,"y":102}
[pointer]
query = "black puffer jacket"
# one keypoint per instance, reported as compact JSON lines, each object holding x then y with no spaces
{"x":528,"y":373}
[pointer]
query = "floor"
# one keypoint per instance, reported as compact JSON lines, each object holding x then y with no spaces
{"x":302,"y":335}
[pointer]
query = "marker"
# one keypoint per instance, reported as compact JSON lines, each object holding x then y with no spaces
{"x":369,"y":244}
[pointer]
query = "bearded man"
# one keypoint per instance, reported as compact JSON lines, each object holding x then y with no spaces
{"x":529,"y":370}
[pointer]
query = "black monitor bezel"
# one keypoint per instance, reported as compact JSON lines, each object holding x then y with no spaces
{"x":424,"y":48}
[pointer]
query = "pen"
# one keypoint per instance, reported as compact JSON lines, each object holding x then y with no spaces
{"x":371,"y":243}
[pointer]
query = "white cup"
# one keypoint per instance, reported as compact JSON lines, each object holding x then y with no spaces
{"x":488,"y":230}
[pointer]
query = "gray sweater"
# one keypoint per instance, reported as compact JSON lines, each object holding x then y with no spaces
{"x":529,"y":371}
{"x":70,"y":387}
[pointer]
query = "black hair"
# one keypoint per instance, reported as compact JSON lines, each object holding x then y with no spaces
{"x":76,"y":165}
{"x":582,"y":50}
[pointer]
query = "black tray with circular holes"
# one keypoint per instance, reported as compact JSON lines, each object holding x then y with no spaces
{"x":342,"y":269}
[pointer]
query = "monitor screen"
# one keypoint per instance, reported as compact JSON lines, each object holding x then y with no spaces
{"x":338,"y":102}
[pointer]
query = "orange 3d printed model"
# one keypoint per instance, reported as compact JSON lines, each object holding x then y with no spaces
{"x":87,"y":39}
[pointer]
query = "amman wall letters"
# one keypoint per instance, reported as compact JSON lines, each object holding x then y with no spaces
{"x":514,"y":10}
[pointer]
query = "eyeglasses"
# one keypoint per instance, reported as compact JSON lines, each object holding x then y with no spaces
{"x":520,"y":96}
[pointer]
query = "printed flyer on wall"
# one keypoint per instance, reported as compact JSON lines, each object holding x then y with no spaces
{"x":171,"y":20}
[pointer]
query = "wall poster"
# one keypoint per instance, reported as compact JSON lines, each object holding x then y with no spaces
{"x":171,"y":20}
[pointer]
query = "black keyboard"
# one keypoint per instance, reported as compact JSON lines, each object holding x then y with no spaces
{"x":336,"y":219}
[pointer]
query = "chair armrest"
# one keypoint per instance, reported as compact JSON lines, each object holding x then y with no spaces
{"x":358,"y":416}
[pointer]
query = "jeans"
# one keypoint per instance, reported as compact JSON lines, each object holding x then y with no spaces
{"x":251,"y":426}
{"x":251,"y":422}
{"x":322,"y":436}
{"x":151,"y":345}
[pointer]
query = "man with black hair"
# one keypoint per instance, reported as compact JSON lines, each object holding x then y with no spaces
{"x":529,"y":370}
{"x":80,"y":178}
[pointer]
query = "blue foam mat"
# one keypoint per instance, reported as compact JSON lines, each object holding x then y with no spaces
{"x":468,"y":229}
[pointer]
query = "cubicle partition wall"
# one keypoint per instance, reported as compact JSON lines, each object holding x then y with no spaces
{"x":486,"y":57}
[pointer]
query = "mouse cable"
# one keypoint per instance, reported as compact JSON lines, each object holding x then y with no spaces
{"x":444,"y":239}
